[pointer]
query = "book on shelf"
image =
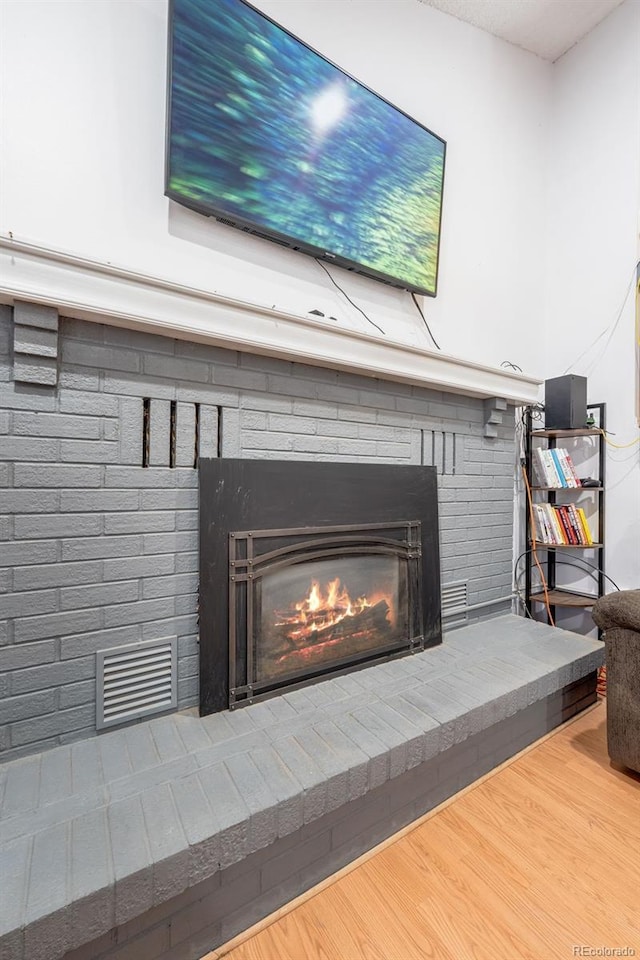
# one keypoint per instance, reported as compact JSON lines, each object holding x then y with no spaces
{"x":567,"y":533}
{"x":585,"y":526}
{"x":574,"y":537}
{"x":542,"y":530}
{"x":537,"y":532}
{"x":568,"y":468}
{"x":575,"y":523}
{"x":539,"y":469}
{"x":564,"y":525}
{"x":554,"y":468}
{"x":557,"y":466}
{"x":553,"y":524}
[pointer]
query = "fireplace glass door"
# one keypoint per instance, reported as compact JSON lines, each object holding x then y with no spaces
{"x":310,"y":602}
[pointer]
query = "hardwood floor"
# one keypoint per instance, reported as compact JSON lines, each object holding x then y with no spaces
{"x":539,"y":858}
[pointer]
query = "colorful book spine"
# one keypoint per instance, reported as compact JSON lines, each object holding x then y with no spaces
{"x":569,"y":475}
{"x":542,"y":534}
{"x":575,"y":524}
{"x":544,"y":523}
{"x":558,"y":467}
{"x":539,"y":533}
{"x":556,"y":528}
{"x":539,"y":472}
{"x":552,"y":533}
{"x":585,"y":525}
{"x":569,"y":535}
{"x":552,"y":473}
{"x":572,"y":470}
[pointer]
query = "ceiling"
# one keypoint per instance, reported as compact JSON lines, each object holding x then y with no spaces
{"x":547,"y":28}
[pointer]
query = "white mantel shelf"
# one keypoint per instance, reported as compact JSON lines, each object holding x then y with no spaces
{"x":92,"y":290}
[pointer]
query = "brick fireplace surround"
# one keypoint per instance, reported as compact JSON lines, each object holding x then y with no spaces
{"x":99,"y":551}
{"x":164,"y":838}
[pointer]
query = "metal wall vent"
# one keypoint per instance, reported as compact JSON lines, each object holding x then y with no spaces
{"x":135,"y":681}
{"x":454,"y":602}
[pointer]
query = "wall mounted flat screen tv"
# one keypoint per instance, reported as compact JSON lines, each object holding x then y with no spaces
{"x":267,"y":135}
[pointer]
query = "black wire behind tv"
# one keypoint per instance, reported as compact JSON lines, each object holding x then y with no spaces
{"x":267,"y":135}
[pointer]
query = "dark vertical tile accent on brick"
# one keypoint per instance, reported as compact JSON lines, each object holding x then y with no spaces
{"x":146,"y":430}
{"x":172,"y":433}
{"x":196,"y":437}
{"x":220,"y":428}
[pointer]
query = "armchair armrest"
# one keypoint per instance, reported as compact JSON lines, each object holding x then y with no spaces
{"x":620,"y":609}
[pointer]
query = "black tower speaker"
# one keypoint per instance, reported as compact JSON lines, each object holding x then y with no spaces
{"x":565,"y":403}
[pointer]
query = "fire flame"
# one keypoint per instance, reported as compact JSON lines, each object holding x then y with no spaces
{"x":322,"y":609}
{"x":336,"y":604}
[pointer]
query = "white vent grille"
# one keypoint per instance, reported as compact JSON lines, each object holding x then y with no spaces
{"x":135,"y":681}
{"x":454,"y":602}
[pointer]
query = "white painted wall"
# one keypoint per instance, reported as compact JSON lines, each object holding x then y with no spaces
{"x":592,"y":244}
{"x":82,"y":158}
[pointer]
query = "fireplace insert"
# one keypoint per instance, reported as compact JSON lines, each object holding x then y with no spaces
{"x":313,"y":601}
{"x":309,"y":569}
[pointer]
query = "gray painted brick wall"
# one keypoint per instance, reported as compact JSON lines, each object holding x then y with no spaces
{"x":97,"y":551}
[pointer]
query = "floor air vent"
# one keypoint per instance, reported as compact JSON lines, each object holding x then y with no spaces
{"x":135,"y":681}
{"x":454,"y":602}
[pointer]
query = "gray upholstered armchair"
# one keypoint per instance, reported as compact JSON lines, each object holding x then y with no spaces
{"x":618,"y":614}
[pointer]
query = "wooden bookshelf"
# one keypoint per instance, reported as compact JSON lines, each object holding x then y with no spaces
{"x":568,"y":546}
{"x":580,"y":432}
{"x":550,"y":554}
{"x":564,"y":598}
{"x":567,"y":489}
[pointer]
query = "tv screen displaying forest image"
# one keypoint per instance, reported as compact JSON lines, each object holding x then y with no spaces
{"x":266,"y":134}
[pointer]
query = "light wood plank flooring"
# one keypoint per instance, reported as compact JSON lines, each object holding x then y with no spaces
{"x":539,"y":858}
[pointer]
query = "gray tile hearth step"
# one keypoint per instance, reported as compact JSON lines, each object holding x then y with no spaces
{"x":96,"y":836}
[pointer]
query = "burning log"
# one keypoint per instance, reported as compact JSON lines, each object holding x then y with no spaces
{"x":323,"y":626}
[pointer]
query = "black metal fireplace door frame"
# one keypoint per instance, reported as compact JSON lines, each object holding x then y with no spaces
{"x":248,"y":565}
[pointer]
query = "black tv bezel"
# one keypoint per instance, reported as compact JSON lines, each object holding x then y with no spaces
{"x":257,"y":230}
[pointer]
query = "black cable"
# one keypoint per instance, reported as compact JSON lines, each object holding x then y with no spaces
{"x":559,"y":563}
{"x":567,"y":563}
{"x":535,"y":409}
{"x":424,"y":320}
{"x":511,"y":366}
{"x":344,"y":294}
{"x":610,"y":328}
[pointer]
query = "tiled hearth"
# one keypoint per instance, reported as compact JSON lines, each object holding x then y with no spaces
{"x":165,"y":839}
